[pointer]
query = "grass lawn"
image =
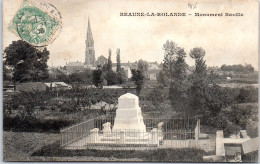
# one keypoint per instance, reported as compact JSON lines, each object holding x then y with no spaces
{"x":20,"y":146}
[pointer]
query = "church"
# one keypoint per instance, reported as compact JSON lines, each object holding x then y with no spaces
{"x":74,"y":67}
{"x":90,"y":50}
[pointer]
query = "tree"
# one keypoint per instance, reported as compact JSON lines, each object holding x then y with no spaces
{"x":27,"y":63}
{"x":118,"y":64}
{"x":86,"y":76}
{"x":121,"y":76}
{"x":138,"y":78}
{"x":206,"y":99}
{"x":249,"y":68}
{"x":175,"y":68}
{"x":6,"y":71}
{"x":162,"y":78}
{"x":198,"y":55}
{"x":143,"y":65}
{"x":170,"y":54}
{"x":199,"y":81}
{"x":111,"y":77}
{"x":97,"y":79}
{"x":109,"y":62}
{"x":238,"y":68}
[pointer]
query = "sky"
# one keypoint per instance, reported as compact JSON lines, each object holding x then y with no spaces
{"x":226,"y":40}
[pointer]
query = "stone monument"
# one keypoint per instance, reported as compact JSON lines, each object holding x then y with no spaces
{"x":129,"y":127}
{"x":128,"y":115}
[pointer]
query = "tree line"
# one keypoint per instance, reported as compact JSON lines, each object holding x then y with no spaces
{"x":239,"y":68}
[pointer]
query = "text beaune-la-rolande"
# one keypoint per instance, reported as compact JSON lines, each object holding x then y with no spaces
{"x":178,"y":14}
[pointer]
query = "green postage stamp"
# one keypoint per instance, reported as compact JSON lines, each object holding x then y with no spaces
{"x":34,"y":25}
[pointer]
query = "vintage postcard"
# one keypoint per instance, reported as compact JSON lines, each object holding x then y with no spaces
{"x":130,"y":80}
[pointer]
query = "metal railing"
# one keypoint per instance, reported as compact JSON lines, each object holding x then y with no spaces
{"x":160,"y":133}
{"x":76,"y":132}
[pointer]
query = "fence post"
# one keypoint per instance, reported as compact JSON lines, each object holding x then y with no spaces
{"x":61,"y":139}
{"x":122,"y":136}
{"x":94,"y":135}
{"x":197,"y":134}
{"x":155,"y":136}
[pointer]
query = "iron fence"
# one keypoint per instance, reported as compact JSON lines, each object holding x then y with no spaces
{"x":159,"y":133}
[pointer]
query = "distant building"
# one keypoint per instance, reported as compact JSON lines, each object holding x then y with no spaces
{"x":126,"y":69}
{"x":56,"y":71}
{"x":31,"y":87}
{"x":90,"y":50}
{"x":58,"y":85}
{"x":74,"y":67}
{"x":102,"y":60}
{"x":153,"y":74}
{"x":153,"y":66}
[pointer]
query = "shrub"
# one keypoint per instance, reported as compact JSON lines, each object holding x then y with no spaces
{"x":156,"y":95}
{"x":247,"y":94}
{"x":231,"y":128}
{"x":111,"y":77}
{"x":240,"y":115}
{"x":31,"y":124}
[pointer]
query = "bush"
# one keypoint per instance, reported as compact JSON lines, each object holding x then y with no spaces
{"x":111,"y":77}
{"x":247,"y":94}
{"x":156,"y":95}
{"x":231,"y":128}
{"x":231,"y":121}
{"x":240,"y":115}
{"x":31,"y":124}
{"x":121,"y":77}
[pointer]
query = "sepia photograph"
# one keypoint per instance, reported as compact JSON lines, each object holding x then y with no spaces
{"x":130,"y":81}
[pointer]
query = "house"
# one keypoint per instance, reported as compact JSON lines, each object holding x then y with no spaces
{"x":58,"y":85}
{"x":102,"y":60}
{"x":31,"y":87}
{"x":153,"y":74}
{"x":74,"y":67}
{"x":100,"y":105}
{"x":89,"y":67}
{"x":153,"y":66}
{"x":57,"y":71}
{"x":126,"y":69}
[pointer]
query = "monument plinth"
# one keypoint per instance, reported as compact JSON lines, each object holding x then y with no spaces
{"x":129,"y":127}
{"x":128,"y":115}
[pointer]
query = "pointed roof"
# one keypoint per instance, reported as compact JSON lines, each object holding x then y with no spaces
{"x":89,"y":33}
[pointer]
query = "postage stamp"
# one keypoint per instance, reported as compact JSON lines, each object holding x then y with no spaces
{"x":34,"y":25}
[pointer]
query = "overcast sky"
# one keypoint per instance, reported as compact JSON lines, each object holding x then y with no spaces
{"x":226,"y":40}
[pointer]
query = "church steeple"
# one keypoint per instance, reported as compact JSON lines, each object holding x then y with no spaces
{"x":90,"y":51}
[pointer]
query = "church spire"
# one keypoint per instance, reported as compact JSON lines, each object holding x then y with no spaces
{"x":90,"y":51}
{"x":89,"y":35}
